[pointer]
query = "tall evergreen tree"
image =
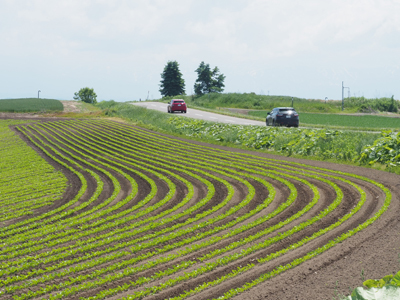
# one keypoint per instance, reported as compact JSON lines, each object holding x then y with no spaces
{"x":172,"y":83}
{"x":208,"y":81}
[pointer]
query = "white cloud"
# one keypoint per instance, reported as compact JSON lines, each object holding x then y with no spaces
{"x":256,"y":44}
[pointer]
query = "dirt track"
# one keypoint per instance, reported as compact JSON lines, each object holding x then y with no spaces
{"x":146,"y":157}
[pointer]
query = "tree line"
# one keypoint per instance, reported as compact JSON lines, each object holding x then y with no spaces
{"x":172,"y":84}
{"x":208,"y":80}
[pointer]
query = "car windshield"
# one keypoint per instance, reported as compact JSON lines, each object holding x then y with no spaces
{"x":178,"y":102}
{"x":286,"y":110}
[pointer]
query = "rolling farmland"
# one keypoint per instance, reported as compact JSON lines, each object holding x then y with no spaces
{"x":30,"y":105}
{"x":147,"y":216}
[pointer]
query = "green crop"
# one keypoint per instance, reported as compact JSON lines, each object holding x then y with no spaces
{"x":30,"y":105}
{"x":320,"y":143}
{"x":151,"y":214}
{"x":385,"y":150}
{"x":28,"y":182}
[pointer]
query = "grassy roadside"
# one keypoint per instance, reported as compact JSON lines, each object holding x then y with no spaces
{"x":361,"y":122}
{"x":322,"y":121}
{"x":267,"y":102}
{"x":314,"y":120}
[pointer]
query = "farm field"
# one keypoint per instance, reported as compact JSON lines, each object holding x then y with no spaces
{"x":364,"y":121}
{"x":30,"y":105}
{"x":148,"y":216}
{"x":28,"y":183}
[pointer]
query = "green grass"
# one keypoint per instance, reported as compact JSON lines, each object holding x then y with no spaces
{"x":149,"y":118}
{"x":30,"y":105}
{"x":368,"y":121}
{"x":267,"y":102}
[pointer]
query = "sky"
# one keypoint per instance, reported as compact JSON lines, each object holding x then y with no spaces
{"x":119,"y":48}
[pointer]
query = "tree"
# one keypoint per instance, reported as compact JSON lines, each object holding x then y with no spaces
{"x":172,"y":83}
{"x":393,"y":105}
{"x":208,"y":81}
{"x":86,"y":95}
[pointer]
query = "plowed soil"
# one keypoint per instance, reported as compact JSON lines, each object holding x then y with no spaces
{"x":125,"y":154}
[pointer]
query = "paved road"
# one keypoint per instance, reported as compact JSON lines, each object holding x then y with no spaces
{"x":200,"y":114}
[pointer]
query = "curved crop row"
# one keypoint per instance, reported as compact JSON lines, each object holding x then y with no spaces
{"x":28,"y":182}
{"x":152,"y":215}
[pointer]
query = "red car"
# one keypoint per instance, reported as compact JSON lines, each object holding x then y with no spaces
{"x":177,"y":105}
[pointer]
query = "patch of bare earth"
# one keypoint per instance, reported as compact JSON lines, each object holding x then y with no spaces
{"x":71,"y":106}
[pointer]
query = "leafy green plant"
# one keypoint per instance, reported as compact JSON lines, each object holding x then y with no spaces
{"x":323,"y":143}
{"x":385,"y":150}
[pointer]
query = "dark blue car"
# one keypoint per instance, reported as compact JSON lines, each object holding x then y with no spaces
{"x":283,"y":116}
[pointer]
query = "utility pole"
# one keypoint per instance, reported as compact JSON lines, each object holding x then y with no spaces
{"x":342,"y":98}
{"x":292,"y":101}
{"x":343,"y":87}
{"x":38,"y":93}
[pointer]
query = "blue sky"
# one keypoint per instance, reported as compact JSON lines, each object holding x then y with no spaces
{"x":120,"y":47}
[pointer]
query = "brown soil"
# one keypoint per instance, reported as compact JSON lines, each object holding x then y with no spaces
{"x":371,"y":253}
{"x":71,"y":106}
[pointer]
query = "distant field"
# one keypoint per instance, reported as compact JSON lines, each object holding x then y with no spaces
{"x":367,"y":121}
{"x":267,"y":102}
{"x":30,"y":105}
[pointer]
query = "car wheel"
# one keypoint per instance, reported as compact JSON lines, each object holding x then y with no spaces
{"x":296,"y":125}
{"x":184,"y":111}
